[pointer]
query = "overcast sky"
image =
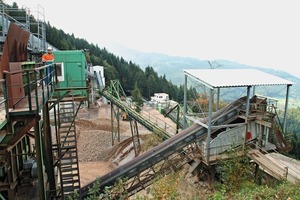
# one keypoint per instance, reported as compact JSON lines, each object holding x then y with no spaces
{"x":261,"y":33}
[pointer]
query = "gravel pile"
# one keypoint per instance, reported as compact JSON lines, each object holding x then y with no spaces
{"x":94,"y":138}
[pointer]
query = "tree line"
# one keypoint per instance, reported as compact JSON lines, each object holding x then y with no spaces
{"x":116,"y":68}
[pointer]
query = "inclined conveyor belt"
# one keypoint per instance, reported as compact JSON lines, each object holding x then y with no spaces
{"x":173,"y":145}
{"x":131,"y":112}
{"x":136,"y":116}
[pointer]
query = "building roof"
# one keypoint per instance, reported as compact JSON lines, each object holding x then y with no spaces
{"x":220,"y":78}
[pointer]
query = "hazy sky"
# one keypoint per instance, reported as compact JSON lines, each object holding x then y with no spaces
{"x":262,"y":33}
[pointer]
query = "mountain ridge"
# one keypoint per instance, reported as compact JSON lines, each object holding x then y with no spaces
{"x":159,"y":61}
{"x":172,"y":66}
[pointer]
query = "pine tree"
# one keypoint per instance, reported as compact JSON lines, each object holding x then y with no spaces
{"x":137,"y":98}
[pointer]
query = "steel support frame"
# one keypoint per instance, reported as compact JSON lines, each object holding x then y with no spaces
{"x":115,"y":134}
{"x":135,"y":137}
{"x":48,"y":156}
{"x":211,"y":99}
{"x":185,"y":102}
{"x":39,"y":157}
{"x":208,"y":139}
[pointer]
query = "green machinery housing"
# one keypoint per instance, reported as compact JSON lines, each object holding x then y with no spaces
{"x":70,"y":69}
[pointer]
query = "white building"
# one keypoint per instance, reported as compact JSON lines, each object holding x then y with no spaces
{"x":160,"y":97}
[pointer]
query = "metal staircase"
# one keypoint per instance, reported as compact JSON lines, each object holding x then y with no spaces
{"x":68,"y":157}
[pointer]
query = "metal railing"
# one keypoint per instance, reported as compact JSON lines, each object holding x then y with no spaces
{"x":29,"y":89}
{"x":159,"y":122}
{"x":26,"y":19}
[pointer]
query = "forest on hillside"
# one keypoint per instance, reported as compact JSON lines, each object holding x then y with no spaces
{"x":116,"y":68}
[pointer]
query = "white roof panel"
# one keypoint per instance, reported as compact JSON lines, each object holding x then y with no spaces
{"x":218,"y":78}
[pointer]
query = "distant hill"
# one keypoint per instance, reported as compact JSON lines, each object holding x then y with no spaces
{"x":173,"y":66}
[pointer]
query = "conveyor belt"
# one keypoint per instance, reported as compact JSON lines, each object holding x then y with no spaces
{"x":167,"y":148}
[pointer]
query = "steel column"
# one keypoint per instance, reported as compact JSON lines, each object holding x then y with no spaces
{"x":248,"y":101}
{"x":185,"y":102}
{"x":247,"y":112}
{"x":48,"y":147}
{"x":286,"y":108}
{"x":211,"y":91}
{"x":218,"y":99}
{"x":39,"y":159}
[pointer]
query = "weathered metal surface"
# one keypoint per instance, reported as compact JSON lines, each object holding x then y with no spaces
{"x":14,"y":82}
{"x":14,"y":48}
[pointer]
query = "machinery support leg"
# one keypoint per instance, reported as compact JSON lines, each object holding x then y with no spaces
{"x":48,"y":148}
{"x":39,"y":157}
{"x":11,"y":193}
{"x":256,"y":171}
{"x":211,"y":175}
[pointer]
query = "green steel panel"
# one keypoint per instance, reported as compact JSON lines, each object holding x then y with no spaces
{"x":28,"y":65}
{"x":74,"y":67}
{"x":28,"y":77}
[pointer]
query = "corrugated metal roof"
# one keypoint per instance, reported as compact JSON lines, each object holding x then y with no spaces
{"x":218,"y":78}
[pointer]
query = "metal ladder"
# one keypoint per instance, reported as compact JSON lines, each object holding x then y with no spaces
{"x":68,"y":157}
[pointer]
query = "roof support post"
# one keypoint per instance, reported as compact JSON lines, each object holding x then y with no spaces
{"x":211,"y":92}
{"x":247,"y":112}
{"x":185,"y":102}
{"x":286,"y":108}
{"x":254,"y":90}
{"x":248,"y":101}
{"x":218,"y":99}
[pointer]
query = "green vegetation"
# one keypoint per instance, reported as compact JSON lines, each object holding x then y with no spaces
{"x":238,"y":181}
{"x":137,"y":98}
{"x":235,"y":171}
{"x":292,"y":134}
{"x":165,"y":187}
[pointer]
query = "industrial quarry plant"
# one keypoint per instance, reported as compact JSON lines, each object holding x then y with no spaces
{"x":40,"y":102}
